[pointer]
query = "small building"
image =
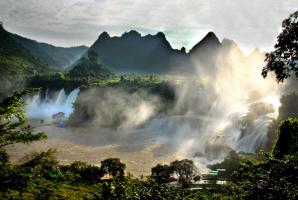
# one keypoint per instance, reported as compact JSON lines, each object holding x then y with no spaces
{"x":217,"y":176}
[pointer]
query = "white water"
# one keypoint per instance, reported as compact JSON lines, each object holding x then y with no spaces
{"x":43,"y":108}
{"x":211,"y":135}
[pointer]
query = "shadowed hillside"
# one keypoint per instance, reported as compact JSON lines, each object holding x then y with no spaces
{"x":16,"y":63}
{"x":60,"y":57}
{"x":153,"y":54}
{"x":139,"y":54}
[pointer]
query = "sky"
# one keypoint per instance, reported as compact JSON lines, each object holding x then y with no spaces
{"x":251,"y":23}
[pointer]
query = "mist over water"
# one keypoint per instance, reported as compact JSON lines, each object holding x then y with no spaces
{"x":213,"y":126}
{"x":205,"y":123}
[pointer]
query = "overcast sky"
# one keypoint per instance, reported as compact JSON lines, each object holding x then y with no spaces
{"x":251,"y":23}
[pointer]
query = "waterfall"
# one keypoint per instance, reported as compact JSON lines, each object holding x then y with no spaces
{"x":61,"y":97}
{"x":38,"y":107}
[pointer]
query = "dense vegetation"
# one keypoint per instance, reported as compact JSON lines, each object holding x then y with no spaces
{"x":41,"y":176}
{"x":90,"y":68}
{"x":288,"y":108}
{"x":16,"y":63}
{"x":59,"y":57}
{"x":88,"y":71}
{"x":283,"y":60}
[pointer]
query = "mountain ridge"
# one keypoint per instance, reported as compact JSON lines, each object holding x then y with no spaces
{"x":59,"y":57}
{"x":133,"y":53}
{"x":16,"y":63}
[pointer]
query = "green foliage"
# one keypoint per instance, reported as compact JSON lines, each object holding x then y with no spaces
{"x":90,"y":68}
{"x":80,"y":171}
{"x":270,"y":179}
{"x":44,"y":161}
{"x":16,"y":63}
{"x":287,"y":141}
{"x":60,"y":57}
{"x":231,"y":164}
{"x":288,"y":108}
{"x":13,"y":127}
{"x":162,"y":173}
{"x":283,"y":60}
{"x":113,"y":167}
{"x":3,"y":156}
{"x":56,"y":81}
{"x":276,"y":176}
{"x":185,"y":170}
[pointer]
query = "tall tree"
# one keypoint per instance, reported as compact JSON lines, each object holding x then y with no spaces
{"x":114,"y":167}
{"x":185,"y":170}
{"x":287,"y":141}
{"x":284,"y":59}
{"x":162,"y":173}
{"x":13,"y":126}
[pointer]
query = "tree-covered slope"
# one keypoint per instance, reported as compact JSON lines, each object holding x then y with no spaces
{"x":16,"y":63}
{"x":90,"y":68}
{"x":60,"y":57}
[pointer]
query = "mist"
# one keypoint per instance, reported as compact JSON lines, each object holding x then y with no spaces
{"x":116,"y":108}
{"x":226,"y":106}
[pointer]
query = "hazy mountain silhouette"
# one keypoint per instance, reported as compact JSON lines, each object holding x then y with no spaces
{"x":133,"y":53}
{"x":60,"y":57}
{"x":231,"y":45}
{"x":139,"y":54}
{"x":205,"y":52}
{"x":208,"y":44}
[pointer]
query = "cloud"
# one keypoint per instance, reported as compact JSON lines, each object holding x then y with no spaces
{"x":251,"y":23}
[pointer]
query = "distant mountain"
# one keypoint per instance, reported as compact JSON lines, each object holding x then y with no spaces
{"x":90,"y":68}
{"x":208,"y":44}
{"x":205,"y":52}
{"x":16,"y":63}
{"x":133,"y":53}
{"x":230,"y":46}
{"x":149,"y":54}
{"x":59,"y":57}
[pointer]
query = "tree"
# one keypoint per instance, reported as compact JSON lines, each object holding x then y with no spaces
{"x":83,"y":171}
{"x":287,"y":142}
{"x":185,"y":171}
{"x":13,"y":127}
{"x":231,"y":163}
{"x":284,"y":59}
{"x":113,"y":166}
{"x":269,"y":179}
{"x":162,"y":173}
{"x":275,"y":177}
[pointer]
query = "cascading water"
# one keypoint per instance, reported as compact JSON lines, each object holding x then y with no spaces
{"x":212,"y":125}
{"x":43,"y":108}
